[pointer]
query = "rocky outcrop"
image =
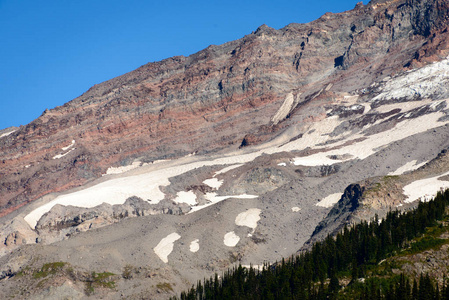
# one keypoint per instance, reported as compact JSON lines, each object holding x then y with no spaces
{"x":204,"y":102}
{"x":340,"y":215}
{"x":61,"y":222}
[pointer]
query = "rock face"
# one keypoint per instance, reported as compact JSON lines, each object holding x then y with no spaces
{"x":300,"y":130}
{"x":219,"y":98}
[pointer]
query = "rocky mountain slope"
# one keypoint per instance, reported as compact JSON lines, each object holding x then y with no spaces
{"x":234,"y":154}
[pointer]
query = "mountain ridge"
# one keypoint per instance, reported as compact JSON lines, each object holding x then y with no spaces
{"x":241,"y":149}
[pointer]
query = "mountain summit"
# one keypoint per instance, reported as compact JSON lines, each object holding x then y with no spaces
{"x":240,"y":153}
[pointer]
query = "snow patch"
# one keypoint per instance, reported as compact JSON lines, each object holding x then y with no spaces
{"x":282,"y":164}
{"x":231,"y":239}
{"x":284,"y":110}
{"x":330,"y":200}
{"x":123,"y":169}
{"x":195,"y":246}
{"x":69,"y":146}
{"x":255,"y":267}
{"x":213,"y":183}
{"x":214,"y":199}
{"x":424,"y":189}
{"x":186,"y":197}
{"x":410,"y":166}
{"x":165,"y":246}
{"x":248,"y":218}
{"x":7,"y":133}
{"x":58,"y":156}
{"x":222,"y":171}
{"x":295,"y":209}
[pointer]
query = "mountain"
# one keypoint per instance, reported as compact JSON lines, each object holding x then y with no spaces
{"x":243,"y":152}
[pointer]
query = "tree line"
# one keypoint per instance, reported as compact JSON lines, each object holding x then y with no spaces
{"x":350,"y":254}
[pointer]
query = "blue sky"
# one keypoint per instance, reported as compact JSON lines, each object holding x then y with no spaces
{"x":52,"y":51}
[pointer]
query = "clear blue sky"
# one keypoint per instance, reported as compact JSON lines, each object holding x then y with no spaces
{"x":52,"y":51}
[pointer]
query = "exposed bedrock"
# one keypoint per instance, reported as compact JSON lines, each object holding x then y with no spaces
{"x":222,"y":97}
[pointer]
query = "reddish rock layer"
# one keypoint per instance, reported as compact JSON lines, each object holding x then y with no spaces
{"x":215,"y":98}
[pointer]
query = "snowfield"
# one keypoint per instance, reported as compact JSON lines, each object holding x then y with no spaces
{"x":186,"y":197}
{"x":425,"y":189}
{"x":330,"y":200}
{"x":195,"y":246}
{"x":410,"y":166}
{"x":248,"y":218}
{"x":165,"y":246}
{"x":147,"y":180}
{"x":231,"y":239}
{"x":423,"y":82}
{"x":213,"y":183}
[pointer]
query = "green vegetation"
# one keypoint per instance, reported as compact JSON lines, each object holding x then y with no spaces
{"x":128,"y":272}
{"x":166,"y":287}
{"x":49,"y":269}
{"x":352,"y":256}
{"x":99,"y":280}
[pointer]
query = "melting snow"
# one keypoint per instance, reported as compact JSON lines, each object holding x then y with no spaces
{"x":330,"y":200}
{"x":213,"y":183}
{"x":231,"y":239}
{"x":222,"y":171}
{"x":282,"y":164}
{"x":119,"y":170}
{"x":248,"y":218}
{"x":255,"y":267}
{"x":423,"y":82}
{"x":65,"y":149}
{"x":213,"y":198}
{"x":7,"y":133}
{"x":69,"y":146}
{"x":186,"y":197}
{"x":195,"y":246}
{"x":165,"y":246}
{"x":285,"y":109}
{"x":410,"y":166}
{"x":424,"y":189}
{"x":296,"y":209}
{"x":58,"y":156}
{"x":373,"y":142}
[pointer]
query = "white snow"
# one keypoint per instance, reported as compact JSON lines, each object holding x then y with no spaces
{"x":195,"y":246}
{"x":410,"y":166}
{"x":165,"y":246}
{"x":58,"y":156}
{"x":330,"y":200}
{"x":65,"y":149}
{"x":403,"y":106}
{"x":295,"y":209}
{"x":423,"y":82}
{"x":282,"y":164}
{"x":224,"y":170}
{"x":231,"y":239}
{"x":123,"y":169}
{"x":373,"y":142}
{"x":255,"y":267}
{"x":213,"y":198}
{"x":69,"y":146}
{"x":284,"y":110}
{"x":424,"y":189}
{"x":248,"y":218}
{"x":7,"y":133}
{"x":213,"y":182}
{"x":186,"y":197}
